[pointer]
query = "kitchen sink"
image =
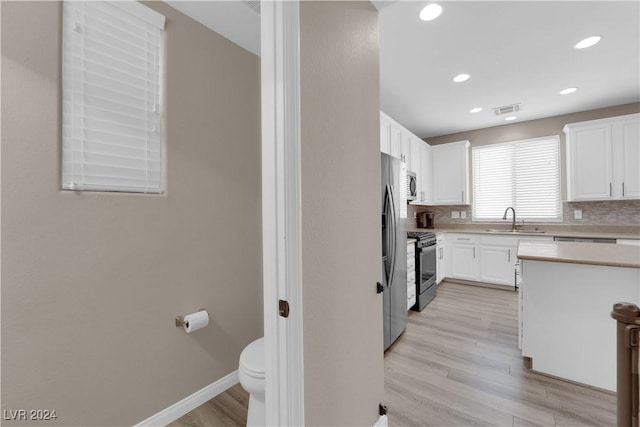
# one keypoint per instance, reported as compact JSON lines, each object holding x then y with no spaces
{"x":492,"y":230}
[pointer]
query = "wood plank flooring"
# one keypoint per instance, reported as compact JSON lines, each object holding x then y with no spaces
{"x":458,"y":364}
{"x":228,"y":409}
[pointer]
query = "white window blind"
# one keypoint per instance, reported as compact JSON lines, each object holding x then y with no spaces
{"x":111,"y":96}
{"x":522,"y":174}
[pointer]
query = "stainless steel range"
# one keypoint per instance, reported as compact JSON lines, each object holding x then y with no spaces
{"x":426,"y":286}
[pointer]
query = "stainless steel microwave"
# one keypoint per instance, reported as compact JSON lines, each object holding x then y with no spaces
{"x":412,"y":188}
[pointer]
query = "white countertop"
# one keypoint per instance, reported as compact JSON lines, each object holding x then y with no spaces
{"x":606,"y":254}
{"x":551,"y":233}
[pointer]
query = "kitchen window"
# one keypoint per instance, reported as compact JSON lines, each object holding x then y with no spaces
{"x":522,"y":174}
{"x":111,"y":108}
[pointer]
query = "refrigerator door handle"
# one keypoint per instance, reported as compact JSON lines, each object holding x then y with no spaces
{"x":388,"y":231}
{"x":394,"y":228}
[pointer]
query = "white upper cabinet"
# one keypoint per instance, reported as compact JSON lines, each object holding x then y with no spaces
{"x":385,"y":134}
{"x":398,"y":142}
{"x":628,"y":143}
{"x":450,"y":173}
{"x":425,"y":195}
{"x":421,"y":161}
{"x":391,"y":137}
{"x":603,"y":158}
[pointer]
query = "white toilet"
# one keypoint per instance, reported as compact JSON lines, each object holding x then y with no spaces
{"x":251,"y":374}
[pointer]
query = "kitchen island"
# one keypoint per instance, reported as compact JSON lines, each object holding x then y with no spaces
{"x":566,"y":296}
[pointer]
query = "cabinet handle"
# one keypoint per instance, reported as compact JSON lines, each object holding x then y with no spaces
{"x":610,"y":192}
{"x":462,"y":198}
{"x":623,"y":189}
{"x":474,"y":252}
{"x":463,"y":238}
{"x":509,"y":259}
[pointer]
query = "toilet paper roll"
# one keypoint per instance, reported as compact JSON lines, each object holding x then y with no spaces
{"x":195,"y":321}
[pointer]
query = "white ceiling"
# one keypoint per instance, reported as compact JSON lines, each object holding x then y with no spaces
{"x":234,"y":20}
{"x":515,"y":51}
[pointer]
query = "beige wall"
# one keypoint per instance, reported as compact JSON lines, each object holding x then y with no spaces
{"x":535,"y":128}
{"x":341,"y":238}
{"x":91,"y":282}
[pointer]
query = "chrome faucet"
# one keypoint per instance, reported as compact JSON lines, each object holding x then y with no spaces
{"x":513,"y":223}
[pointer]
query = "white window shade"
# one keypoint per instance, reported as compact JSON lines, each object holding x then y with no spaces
{"x":522,"y":174}
{"x":111,"y":97}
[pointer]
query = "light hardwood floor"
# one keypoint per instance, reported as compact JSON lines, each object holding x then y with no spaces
{"x":458,"y":364}
{"x":228,"y":409}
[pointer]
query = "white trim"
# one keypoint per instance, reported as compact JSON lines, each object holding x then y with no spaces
{"x":281,"y":212}
{"x":191,"y":402}
{"x":383,"y":421}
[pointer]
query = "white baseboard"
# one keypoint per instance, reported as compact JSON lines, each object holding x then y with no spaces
{"x":189,"y":403}
{"x":383,"y":421}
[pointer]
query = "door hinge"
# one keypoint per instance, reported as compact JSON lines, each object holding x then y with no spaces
{"x":382,"y":409}
{"x":283,"y":308}
{"x":379,"y":288}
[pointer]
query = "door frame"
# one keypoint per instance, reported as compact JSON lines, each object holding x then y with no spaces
{"x":281,"y":212}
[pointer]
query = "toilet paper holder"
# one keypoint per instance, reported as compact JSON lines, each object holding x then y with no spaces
{"x":180,"y":319}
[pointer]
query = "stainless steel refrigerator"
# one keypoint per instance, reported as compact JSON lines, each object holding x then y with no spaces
{"x":394,"y":250}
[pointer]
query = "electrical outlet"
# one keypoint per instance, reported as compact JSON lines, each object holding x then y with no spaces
{"x":415,"y":215}
{"x":463,"y":214}
{"x":455,"y":214}
{"x":577,"y":214}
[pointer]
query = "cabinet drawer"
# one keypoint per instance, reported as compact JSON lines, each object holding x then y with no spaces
{"x":471,"y":239}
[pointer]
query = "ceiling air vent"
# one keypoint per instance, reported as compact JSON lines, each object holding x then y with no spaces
{"x":506,"y":109}
{"x":253,"y":4}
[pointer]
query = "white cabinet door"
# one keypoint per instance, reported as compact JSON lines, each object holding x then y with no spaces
{"x":603,"y":157}
{"x":425,"y":196}
{"x":385,"y":134}
{"x":450,"y":165}
{"x":441,"y":263}
{"x":395,"y":141}
{"x":497,"y":264}
{"x":442,"y":268}
{"x":416,"y":166}
{"x":629,"y":143}
{"x":405,"y":149}
{"x":463,"y":261}
{"x":591,"y":163}
{"x":411,"y":275}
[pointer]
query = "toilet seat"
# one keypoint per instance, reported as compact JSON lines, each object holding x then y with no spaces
{"x":252,"y":359}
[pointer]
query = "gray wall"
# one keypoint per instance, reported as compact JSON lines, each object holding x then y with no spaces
{"x":341,"y":238}
{"x":91,"y":282}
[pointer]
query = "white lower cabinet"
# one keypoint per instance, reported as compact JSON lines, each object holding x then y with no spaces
{"x":464,"y":256}
{"x":411,"y":275}
{"x":484,"y":258}
{"x":497,"y":264}
{"x":441,"y":259}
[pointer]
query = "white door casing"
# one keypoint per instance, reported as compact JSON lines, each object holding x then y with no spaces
{"x":281,"y":212}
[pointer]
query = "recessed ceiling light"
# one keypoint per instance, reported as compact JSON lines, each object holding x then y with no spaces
{"x":588,"y":42}
{"x":475,"y":110}
{"x":510,"y":118}
{"x":430,"y":12}
{"x":568,"y":90}
{"x":461,"y":78}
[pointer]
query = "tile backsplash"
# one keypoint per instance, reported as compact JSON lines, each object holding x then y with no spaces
{"x":619,"y":212}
